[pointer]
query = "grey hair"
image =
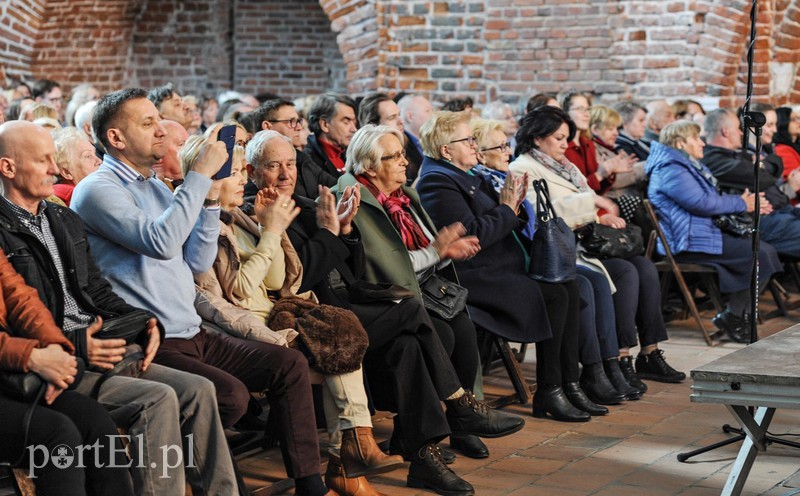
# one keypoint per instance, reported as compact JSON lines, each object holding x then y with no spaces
{"x":715,"y":121}
{"x":364,"y":152}
{"x":258,"y":144}
{"x":65,"y":140}
{"x":628,"y":110}
{"x":84,"y":115}
{"x":324,"y":108}
{"x":494,"y":110}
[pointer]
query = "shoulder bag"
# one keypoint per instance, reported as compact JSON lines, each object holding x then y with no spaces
{"x":553,"y":254}
{"x":601,"y":241}
{"x":442,"y":296}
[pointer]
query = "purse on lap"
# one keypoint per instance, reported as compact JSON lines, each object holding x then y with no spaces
{"x":442,"y":296}
{"x":601,"y":241}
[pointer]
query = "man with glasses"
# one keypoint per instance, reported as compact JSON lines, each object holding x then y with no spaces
{"x":332,"y":119}
{"x":281,"y":116}
{"x":49,"y":92}
{"x":379,"y":109}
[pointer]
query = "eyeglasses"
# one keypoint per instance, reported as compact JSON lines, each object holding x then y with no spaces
{"x":581,"y":109}
{"x":293,"y":122}
{"x":503,"y":148}
{"x":395,"y":157}
{"x":469,"y":139}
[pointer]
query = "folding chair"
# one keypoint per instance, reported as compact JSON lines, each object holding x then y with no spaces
{"x":707,"y":275}
{"x":490,"y":342}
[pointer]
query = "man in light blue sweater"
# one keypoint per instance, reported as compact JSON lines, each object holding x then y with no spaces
{"x":148,"y":243}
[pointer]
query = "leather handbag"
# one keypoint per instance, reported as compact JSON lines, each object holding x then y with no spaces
{"x":738,"y":225}
{"x":601,"y":241}
{"x":553,"y":254}
{"x":442,"y":296}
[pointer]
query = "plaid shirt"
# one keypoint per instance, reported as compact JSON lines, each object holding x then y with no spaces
{"x":74,"y":316}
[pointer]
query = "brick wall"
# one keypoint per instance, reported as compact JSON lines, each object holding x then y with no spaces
{"x":482,"y":48}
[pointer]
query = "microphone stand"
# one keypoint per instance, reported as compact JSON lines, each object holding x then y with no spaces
{"x":751,"y":121}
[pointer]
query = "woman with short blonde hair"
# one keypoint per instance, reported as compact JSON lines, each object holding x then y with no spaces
{"x":604,"y":124}
{"x":439,"y":132}
{"x":679,"y":133}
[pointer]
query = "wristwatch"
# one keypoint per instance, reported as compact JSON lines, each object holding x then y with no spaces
{"x":211,"y":203}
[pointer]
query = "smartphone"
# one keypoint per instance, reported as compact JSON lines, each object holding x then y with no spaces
{"x":228,"y":135}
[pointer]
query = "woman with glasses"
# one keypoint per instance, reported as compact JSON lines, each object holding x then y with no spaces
{"x":502,"y":298}
{"x":582,"y":151}
{"x":392,"y":217}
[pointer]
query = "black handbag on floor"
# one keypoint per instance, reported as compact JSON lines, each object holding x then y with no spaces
{"x":601,"y":241}
{"x":553,"y":254}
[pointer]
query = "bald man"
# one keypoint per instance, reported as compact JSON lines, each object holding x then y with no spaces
{"x":46,"y":243}
{"x":168,"y":168}
{"x":415,"y":110}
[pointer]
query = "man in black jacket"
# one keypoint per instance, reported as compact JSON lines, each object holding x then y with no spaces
{"x":47,"y":245}
{"x":733,"y":168}
{"x":332,"y":119}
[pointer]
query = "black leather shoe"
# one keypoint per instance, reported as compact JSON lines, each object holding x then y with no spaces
{"x":614,"y":373}
{"x":448,"y":455}
{"x":467,"y":415}
{"x":428,"y":471}
{"x":737,"y":328}
{"x":469,"y":446}
{"x":656,"y":368}
{"x":550,"y":399}
{"x":626,"y":365}
{"x":576,"y":396}
{"x":396,"y":446}
{"x":597,"y":387}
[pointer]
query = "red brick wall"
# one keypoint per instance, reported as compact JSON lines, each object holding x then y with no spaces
{"x":482,"y":48}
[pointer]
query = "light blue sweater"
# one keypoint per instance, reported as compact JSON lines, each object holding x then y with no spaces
{"x":147,"y":242}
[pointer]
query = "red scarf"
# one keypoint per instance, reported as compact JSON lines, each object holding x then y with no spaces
{"x":396,"y":205}
{"x":334,"y":154}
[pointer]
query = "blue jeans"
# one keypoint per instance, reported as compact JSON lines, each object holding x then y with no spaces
{"x":781,"y":229}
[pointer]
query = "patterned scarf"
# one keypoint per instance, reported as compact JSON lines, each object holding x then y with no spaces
{"x":564,"y":168}
{"x":397,"y":205}
{"x":495,"y":179}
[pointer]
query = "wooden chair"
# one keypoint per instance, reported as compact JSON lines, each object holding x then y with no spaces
{"x":668,"y":266}
{"x":491,"y":342}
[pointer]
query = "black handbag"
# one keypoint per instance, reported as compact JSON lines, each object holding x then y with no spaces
{"x":739,"y":225}
{"x":553,"y":254}
{"x":442,"y":296}
{"x":601,"y":241}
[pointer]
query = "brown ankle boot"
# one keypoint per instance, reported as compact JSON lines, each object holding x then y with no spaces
{"x":361,"y":456}
{"x":339,"y":484}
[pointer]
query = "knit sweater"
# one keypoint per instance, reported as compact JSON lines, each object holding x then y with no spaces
{"x":149,"y":243}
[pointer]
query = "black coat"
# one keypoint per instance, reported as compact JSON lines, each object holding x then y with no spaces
{"x":502,"y":298}
{"x":32,"y":260}
{"x":734,"y":171}
{"x":631,"y":147}
{"x":317,"y":155}
{"x":414,"y":158}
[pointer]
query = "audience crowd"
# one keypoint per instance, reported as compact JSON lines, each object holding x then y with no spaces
{"x":262,"y":245}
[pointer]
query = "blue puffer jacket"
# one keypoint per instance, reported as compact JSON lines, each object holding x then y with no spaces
{"x":685,"y":201}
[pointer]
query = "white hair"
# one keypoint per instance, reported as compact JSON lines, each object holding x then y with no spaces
{"x":83,"y":116}
{"x":496,"y":110}
{"x":257,"y":145}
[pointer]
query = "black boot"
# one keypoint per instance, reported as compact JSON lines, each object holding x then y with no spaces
{"x":626,"y":365}
{"x":576,"y":396}
{"x":597,"y":387}
{"x":470,"y":446}
{"x":656,"y":368}
{"x":467,"y":415}
{"x":737,"y":328}
{"x":550,"y":398}
{"x":617,"y":378}
{"x":428,"y":471}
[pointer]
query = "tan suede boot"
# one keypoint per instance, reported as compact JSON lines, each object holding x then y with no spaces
{"x":361,"y":456}
{"x":338,"y":483}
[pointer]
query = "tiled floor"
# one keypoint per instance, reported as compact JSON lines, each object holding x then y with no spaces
{"x":632,"y":451}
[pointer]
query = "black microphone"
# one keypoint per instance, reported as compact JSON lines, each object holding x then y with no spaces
{"x":754,"y":119}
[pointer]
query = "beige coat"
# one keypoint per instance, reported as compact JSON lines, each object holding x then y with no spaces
{"x":575,"y":207}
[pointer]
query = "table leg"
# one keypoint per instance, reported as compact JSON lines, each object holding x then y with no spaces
{"x":755,"y":426}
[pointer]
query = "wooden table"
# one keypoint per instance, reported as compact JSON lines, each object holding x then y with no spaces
{"x":765,"y":376}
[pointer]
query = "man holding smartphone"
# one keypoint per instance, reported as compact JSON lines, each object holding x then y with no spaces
{"x":149,"y":243}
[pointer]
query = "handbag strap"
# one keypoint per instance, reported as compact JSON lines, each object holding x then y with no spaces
{"x":128,"y":360}
{"x":544,"y":208}
{"x":26,"y":423}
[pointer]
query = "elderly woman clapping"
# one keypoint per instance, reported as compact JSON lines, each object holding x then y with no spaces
{"x":502,"y":298}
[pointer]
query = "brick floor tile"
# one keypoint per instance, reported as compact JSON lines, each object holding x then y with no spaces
{"x":552,"y":452}
{"x":623,"y":490}
{"x":525,"y":465}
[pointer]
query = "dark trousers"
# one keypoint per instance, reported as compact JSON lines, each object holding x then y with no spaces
{"x":637,"y":302}
{"x":557,"y":357}
{"x":598,"y":334}
{"x":411,"y":372}
{"x":72,"y":420}
{"x":461,"y":344}
{"x":238,"y":366}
